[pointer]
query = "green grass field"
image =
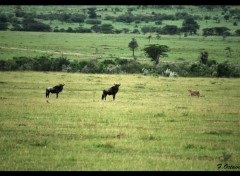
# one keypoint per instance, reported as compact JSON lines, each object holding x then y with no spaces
{"x":91,"y":46}
{"x":152,"y":125}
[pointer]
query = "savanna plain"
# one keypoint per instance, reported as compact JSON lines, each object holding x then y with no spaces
{"x":153,"y":124}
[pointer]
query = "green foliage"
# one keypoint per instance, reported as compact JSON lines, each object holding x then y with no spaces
{"x":190,"y":26}
{"x":33,"y":25}
{"x":170,"y":29}
{"x":104,"y":28}
{"x":42,"y":64}
{"x":3,"y":25}
{"x":227,"y":69}
{"x":150,"y":29}
{"x":184,"y":69}
{"x":237,"y":32}
{"x":221,"y":30}
{"x":200,"y":70}
{"x":58,"y":63}
{"x":77,"y":18}
{"x":65,"y":17}
{"x":92,"y":12}
{"x":203,"y":58}
{"x":82,"y":46}
{"x":92,"y":67}
{"x":229,"y":51}
{"x":131,"y":67}
{"x":127,"y":18}
{"x":93,"y":21}
{"x":133,"y":45}
{"x":155,"y":51}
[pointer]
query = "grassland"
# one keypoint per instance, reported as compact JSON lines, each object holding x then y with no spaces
{"x":152,"y":125}
{"x":91,"y":46}
{"x":82,"y":46}
{"x":108,"y":10}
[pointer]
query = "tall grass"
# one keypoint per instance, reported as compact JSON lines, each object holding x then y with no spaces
{"x":152,"y":125}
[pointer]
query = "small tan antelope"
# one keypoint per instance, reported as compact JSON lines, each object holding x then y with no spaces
{"x":194,"y":93}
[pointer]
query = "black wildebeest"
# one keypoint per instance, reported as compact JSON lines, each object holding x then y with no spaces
{"x":111,"y":91}
{"x":56,"y":89}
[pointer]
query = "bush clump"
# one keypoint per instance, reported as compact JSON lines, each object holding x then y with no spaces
{"x":118,"y":65}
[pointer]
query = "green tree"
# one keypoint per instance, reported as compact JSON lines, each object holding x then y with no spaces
{"x":155,"y":51}
{"x":3,"y":26}
{"x":228,"y":51}
{"x":170,"y":29}
{"x":203,"y":57}
{"x":106,"y":28}
{"x":92,"y":12}
{"x":225,"y":34}
{"x":133,"y":45}
{"x":237,"y":32}
{"x":190,"y":25}
{"x":208,"y":31}
{"x":149,"y":37}
{"x":221,"y":30}
{"x":226,"y":17}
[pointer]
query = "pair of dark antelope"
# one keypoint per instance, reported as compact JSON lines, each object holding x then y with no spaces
{"x":57,"y":89}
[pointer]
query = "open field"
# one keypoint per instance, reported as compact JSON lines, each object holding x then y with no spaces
{"x":92,"y":46}
{"x":152,"y":125}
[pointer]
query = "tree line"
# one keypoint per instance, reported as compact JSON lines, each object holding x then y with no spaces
{"x":31,"y":21}
{"x":203,"y":68}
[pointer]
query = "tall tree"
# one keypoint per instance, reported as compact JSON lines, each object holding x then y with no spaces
{"x":155,"y":51}
{"x":133,"y":45}
{"x":149,"y":37}
{"x":203,"y":57}
{"x":92,"y":12}
{"x":190,"y":25}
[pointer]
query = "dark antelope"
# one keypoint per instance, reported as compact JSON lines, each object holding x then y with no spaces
{"x":111,"y":91}
{"x":56,"y":89}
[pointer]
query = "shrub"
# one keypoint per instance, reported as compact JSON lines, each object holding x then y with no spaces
{"x":108,"y":62}
{"x":93,"y":21}
{"x":132,"y":67}
{"x":42,"y":63}
{"x":57,"y":63}
{"x":149,"y":29}
{"x":127,"y":18}
{"x":226,"y":69}
{"x":112,"y":69}
{"x":83,"y":30}
{"x":136,"y":31}
{"x":74,"y":66}
{"x":33,"y":25}
{"x":92,"y":67}
{"x":211,"y":63}
{"x":158,"y":22}
{"x":106,"y":28}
